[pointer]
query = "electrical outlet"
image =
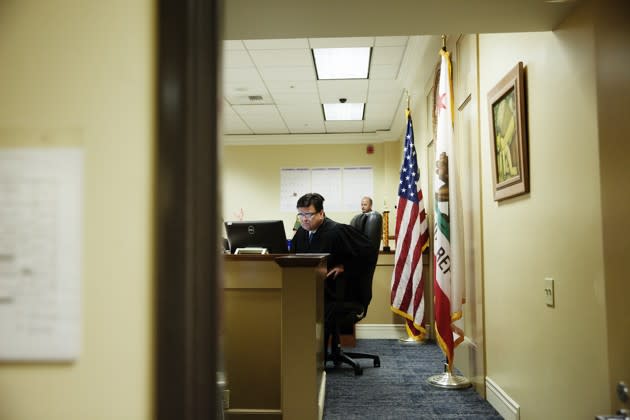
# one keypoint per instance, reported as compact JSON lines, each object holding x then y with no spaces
{"x":549,"y":292}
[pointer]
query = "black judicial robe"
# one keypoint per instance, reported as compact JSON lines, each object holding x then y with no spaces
{"x":348,"y":246}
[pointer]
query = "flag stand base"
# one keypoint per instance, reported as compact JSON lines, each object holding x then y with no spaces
{"x":448,"y":380}
{"x":411,"y":340}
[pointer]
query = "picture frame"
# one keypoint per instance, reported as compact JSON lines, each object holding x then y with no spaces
{"x":507,"y":115}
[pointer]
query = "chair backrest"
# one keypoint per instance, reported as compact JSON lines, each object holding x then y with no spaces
{"x":371,"y":224}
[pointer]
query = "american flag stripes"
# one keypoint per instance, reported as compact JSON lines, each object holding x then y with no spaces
{"x":412,"y":237}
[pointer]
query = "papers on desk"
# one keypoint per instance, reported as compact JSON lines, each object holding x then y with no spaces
{"x":251,"y":250}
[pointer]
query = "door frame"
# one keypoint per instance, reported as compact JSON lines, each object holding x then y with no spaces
{"x":187,"y":264}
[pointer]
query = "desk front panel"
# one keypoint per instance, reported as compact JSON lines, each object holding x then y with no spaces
{"x":252,"y":335}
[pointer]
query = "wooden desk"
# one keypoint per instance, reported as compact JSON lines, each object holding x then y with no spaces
{"x":273,"y":336}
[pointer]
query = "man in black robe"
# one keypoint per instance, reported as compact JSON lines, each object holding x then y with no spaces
{"x":352,"y":258}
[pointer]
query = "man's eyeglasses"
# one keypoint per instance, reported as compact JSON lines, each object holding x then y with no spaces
{"x":306,"y":216}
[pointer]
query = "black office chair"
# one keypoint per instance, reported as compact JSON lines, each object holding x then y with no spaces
{"x":350,"y":308}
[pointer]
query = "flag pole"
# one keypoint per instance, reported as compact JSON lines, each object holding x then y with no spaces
{"x":447,"y":261}
{"x":448,"y":380}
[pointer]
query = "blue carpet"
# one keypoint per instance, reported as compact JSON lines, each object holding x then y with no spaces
{"x":399,"y":388}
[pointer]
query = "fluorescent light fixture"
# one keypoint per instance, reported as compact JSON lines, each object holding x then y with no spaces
{"x":343,"y":112}
{"x":342,"y":63}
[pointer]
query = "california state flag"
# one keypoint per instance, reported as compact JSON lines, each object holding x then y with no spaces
{"x":448,"y":263}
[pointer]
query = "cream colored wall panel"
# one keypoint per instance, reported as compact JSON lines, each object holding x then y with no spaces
{"x":535,"y":352}
{"x":468,"y":146}
{"x":379,"y":311}
{"x":613,"y":98}
{"x":88,"y":68}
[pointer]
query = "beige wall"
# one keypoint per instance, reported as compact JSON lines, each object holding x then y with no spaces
{"x":251,"y":176}
{"x":612,"y":55}
{"x":82,"y":73}
{"x":543,"y":356}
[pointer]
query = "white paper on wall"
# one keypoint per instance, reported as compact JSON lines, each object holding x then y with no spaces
{"x":294,"y":183}
{"x":327,"y":182}
{"x":358,"y":182}
{"x":40,"y":253}
{"x":342,"y":188}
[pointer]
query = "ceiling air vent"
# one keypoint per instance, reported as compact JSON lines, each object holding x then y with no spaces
{"x":254,"y":98}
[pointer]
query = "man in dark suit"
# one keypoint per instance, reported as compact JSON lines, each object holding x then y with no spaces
{"x":351,"y":259}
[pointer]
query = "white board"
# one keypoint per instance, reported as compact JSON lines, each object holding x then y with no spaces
{"x":40,"y":253}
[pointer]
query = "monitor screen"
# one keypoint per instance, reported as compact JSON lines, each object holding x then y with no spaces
{"x":268,"y":234}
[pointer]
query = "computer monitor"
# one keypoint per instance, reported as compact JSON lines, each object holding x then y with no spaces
{"x":267,"y":234}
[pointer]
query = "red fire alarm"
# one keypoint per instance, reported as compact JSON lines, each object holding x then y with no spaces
{"x":369,"y":149}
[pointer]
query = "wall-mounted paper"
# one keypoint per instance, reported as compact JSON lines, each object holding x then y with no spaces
{"x":327,"y":182}
{"x":358,"y":182}
{"x":294,"y":183}
{"x":40,"y":253}
{"x":342,"y":188}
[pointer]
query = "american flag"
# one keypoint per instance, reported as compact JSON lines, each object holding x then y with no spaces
{"x":412,"y":237}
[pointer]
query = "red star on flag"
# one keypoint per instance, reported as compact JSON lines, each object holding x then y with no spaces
{"x":441,"y":102}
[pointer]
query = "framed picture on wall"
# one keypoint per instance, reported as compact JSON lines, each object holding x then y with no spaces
{"x":508,"y":135}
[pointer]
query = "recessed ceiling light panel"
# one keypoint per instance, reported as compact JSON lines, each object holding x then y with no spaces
{"x":342,"y":63}
{"x":343,"y":112}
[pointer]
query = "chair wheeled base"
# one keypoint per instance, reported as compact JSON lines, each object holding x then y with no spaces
{"x":339,"y":357}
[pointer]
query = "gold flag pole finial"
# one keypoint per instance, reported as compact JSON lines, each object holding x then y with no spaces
{"x":444,"y":42}
{"x":408,"y":100}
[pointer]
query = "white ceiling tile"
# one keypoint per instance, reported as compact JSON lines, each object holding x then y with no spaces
{"x":371,"y":126}
{"x":385,"y":86}
{"x":387,"y":55}
{"x":245,"y":88}
{"x":233,"y":45}
{"x":232,"y":123}
{"x":276,"y":44}
{"x":278,"y":58}
{"x":235,"y":126}
{"x":383,"y":111}
{"x":262,"y":119}
{"x":245,"y":74}
{"x":388,"y":41}
{"x":287,"y":86}
{"x":341,"y":42}
{"x":236,"y":58}
{"x":311,"y":111}
{"x":227,"y":110}
{"x":305,"y":118}
{"x":355,"y":91}
{"x":384,"y":71}
{"x":274,"y":74}
{"x":390,"y":98}
{"x":251,"y":99}
{"x":344,"y":126}
{"x":296,"y":98}
{"x":306,"y":127}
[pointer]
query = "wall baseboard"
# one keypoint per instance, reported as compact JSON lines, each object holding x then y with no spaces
{"x":375,"y":331}
{"x":322,"y":397}
{"x":501,"y":401}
